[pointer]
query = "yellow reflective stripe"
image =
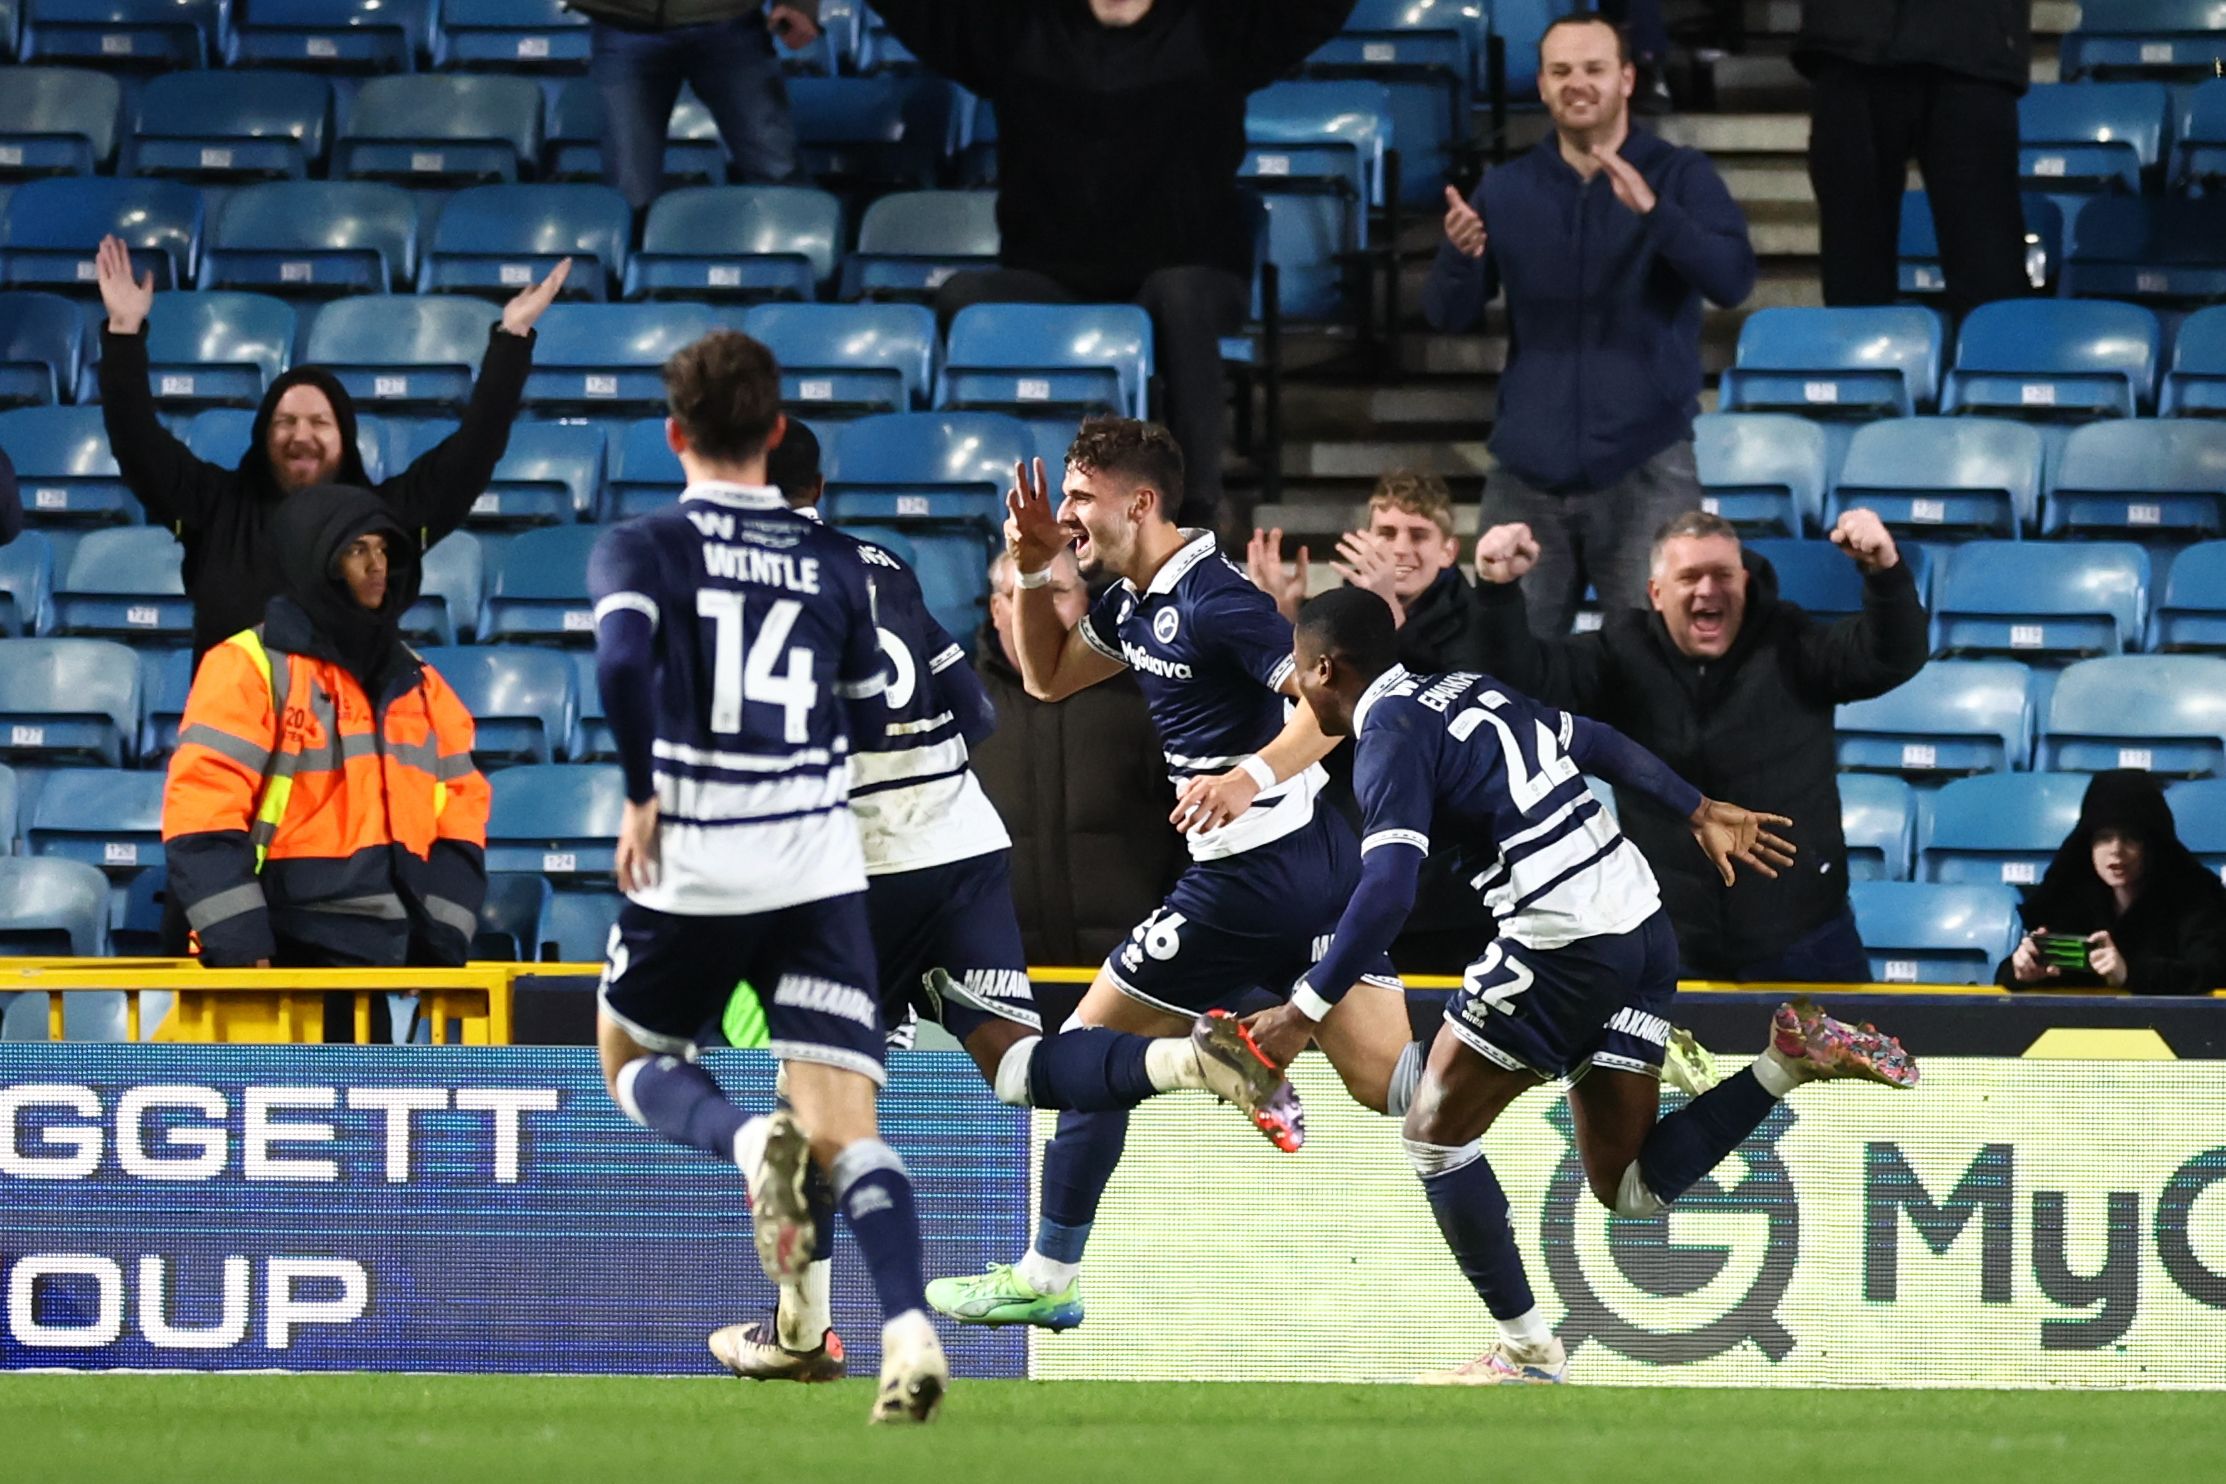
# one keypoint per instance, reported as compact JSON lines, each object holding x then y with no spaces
{"x":440,"y":798}
{"x":250,"y":643}
{"x":278,"y":790}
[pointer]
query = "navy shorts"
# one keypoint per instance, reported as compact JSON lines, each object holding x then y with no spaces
{"x":666,"y":976}
{"x":957,"y":918}
{"x":1599,"y":1002}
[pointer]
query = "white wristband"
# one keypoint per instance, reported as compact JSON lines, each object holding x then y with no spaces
{"x":1309,"y":1001}
{"x":1041,"y":578}
{"x":1256,"y":768}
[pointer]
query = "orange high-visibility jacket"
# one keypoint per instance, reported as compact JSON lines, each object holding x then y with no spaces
{"x":296,"y":809}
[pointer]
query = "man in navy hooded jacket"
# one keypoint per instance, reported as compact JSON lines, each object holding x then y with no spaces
{"x":1606,"y":240}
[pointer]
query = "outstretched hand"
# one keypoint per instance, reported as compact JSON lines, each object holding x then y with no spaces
{"x":1463,"y":227}
{"x":1032,"y":531}
{"x":1280,"y":1032}
{"x":1629,"y":186}
{"x":1730,"y":836}
{"x":519,"y":315}
{"x":126,"y":298}
{"x":1263,"y":564}
{"x":1505,"y":553}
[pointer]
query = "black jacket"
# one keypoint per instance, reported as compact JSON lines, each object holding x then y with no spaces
{"x":1991,"y":40}
{"x":1117,"y":148}
{"x":1445,"y":628}
{"x":1085,"y":798}
{"x":1754,"y":728}
{"x":223,"y":515}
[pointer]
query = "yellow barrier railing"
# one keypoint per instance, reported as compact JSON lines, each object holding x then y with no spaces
{"x":274,"y":1006}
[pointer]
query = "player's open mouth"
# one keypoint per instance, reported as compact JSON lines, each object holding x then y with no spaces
{"x":1080,"y":541}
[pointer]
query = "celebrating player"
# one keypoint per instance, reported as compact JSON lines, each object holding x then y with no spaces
{"x":1581,"y":974}
{"x":737,"y":656}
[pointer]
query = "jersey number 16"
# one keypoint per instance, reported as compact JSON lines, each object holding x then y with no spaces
{"x":737,"y":676}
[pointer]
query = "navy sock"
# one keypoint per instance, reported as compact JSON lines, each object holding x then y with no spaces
{"x":681,"y":1101}
{"x":1089,"y":1070}
{"x":1077,"y":1164}
{"x":1471,"y":1209}
{"x":875,"y":1194}
{"x":1690,"y":1142}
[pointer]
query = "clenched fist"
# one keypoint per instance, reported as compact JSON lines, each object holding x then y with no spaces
{"x":1505,"y":553}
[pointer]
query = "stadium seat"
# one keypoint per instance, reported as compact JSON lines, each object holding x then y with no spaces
{"x":608,"y":359}
{"x":26,"y":590}
{"x":54,"y":226}
{"x":556,"y":818}
{"x":2046,"y":357}
{"x":1918,"y":247}
{"x":537,"y":588}
{"x":403,"y":351}
{"x":849,"y":358}
{"x":1315,"y":137}
{"x":57,"y":121}
{"x":2195,"y":385}
{"x":9,"y":796}
{"x":1921,"y":933}
{"x":220,"y":436}
{"x":591,"y":740}
{"x":217,"y":348}
{"x":1878,"y":816}
{"x":911,"y":242}
{"x":314,"y":237}
{"x":513,"y":917}
{"x":872,"y":132}
{"x":2166,"y":251}
{"x":693,"y":152}
{"x":645,"y":473}
{"x":123,"y":33}
{"x":67,"y":700}
{"x":165,"y":677}
{"x":834,"y":51}
{"x":135,"y":931}
{"x":107,"y":818}
{"x":1863,"y":361}
{"x":2199,"y":152}
{"x":1059,"y":360}
{"x":521,"y":700}
{"x":551,"y":474}
{"x":1955,"y":716}
{"x":2199,"y":809}
{"x":64,"y":468}
{"x":2191,"y":615}
{"x":447,"y":605}
{"x":880,"y":52}
{"x":348,"y":35}
{"x":56,"y":908}
{"x":2040,"y":600}
{"x":2161,"y":38}
{"x":1821,"y":578}
{"x":737,"y":242}
{"x":2091,"y":136}
{"x":2140,"y":477}
{"x":497,"y":239}
{"x":580,"y":924}
{"x":2164,"y":713}
{"x":42,"y":347}
{"x":1310,"y":242}
{"x":2000,"y":828}
{"x":1763,"y":472}
{"x":441,"y":129}
{"x":223,"y":126}
{"x":1930,"y":476}
{"x":1423,"y":53}
{"x":532,"y":34}
{"x":125,"y":584}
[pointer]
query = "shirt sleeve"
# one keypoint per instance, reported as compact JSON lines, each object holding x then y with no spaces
{"x":1101,"y":626}
{"x":622,"y":579}
{"x":862,"y":676}
{"x":1244,"y":624}
{"x":1392,"y":777}
{"x":622,"y":576}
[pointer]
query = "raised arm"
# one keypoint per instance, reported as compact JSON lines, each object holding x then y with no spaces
{"x":1258,"y":41}
{"x":1726,"y":833}
{"x":1055,"y":661}
{"x":965,"y":40}
{"x":1884,"y":645}
{"x":170,"y":484}
{"x":1694,"y":226}
{"x":1571,"y":673}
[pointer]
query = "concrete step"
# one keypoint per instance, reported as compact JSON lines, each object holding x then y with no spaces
{"x":1756,"y":81}
{"x":1754,"y":182}
{"x":1366,"y":459}
{"x":2051,"y":18}
{"x":1735,"y":134}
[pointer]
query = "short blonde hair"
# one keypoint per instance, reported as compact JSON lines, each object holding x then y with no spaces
{"x":1415,"y":492}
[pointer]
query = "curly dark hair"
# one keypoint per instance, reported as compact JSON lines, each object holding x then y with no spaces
{"x":1143,"y":453}
{"x":725,"y":392}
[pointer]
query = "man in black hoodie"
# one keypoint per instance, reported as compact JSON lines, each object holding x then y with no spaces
{"x":1734,"y":688}
{"x":305,"y":435}
{"x":1120,"y":131}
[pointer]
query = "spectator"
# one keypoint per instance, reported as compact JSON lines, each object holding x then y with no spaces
{"x":1936,"y":81}
{"x":1082,"y":789}
{"x":1120,"y":130}
{"x":641,"y":51}
{"x":371,"y":854}
{"x":1606,"y":239}
{"x":2153,"y":918}
{"x":1733,"y":687}
{"x":304,"y":435}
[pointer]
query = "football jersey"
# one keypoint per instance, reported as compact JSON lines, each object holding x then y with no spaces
{"x":1460,"y":762}
{"x":1209,"y":651}
{"x":763,"y":628}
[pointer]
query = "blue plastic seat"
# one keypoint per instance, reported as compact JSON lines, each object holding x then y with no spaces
{"x":347,"y":35}
{"x":2090,"y":136}
{"x":1763,"y":472}
{"x":1921,"y":933}
{"x":221,"y":434}
{"x":57,"y":120}
{"x":2199,"y":153}
{"x":2140,"y":477}
{"x":2199,"y":809}
{"x":551,"y":474}
{"x":849,"y":358}
{"x":2167,"y":251}
{"x":521,"y":700}
{"x":591,"y":740}
{"x":402,"y":351}
{"x":834,"y":51}
{"x":219,"y":125}
{"x":52,"y":908}
{"x":64,"y":467}
{"x":645,"y":473}
{"x":1862,"y":361}
{"x":1878,"y":817}
{"x":67,"y":700}
{"x":513,"y":917}
{"x":447,"y":605}
{"x":109,"y":818}
{"x":737,"y":242}
{"x":2191,"y":613}
{"x":911,"y":242}
{"x":608,"y":359}
{"x":1998,"y":828}
{"x":125,"y":584}
{"x":165,"y":678}
{"x":1953,"y":717}
{"x":2055,"y":357}
{"x":1423,"y":53}
{"x":556,"y":818}
{"x":26,"y":588}
{"x":1942,"y":475}
{"x":1820,"y":577}
{"x":2164,"y":713}
{"x":1320,"y":136}
{"x":1310,"y":242}
{"x":1918,"y":245}
{"x":693,"y":151}
{"x":1061,"y":360}
{"x":530,"y":34}
{"x":537,"y":588}
{"x":54,"y":226}
{"x":2195,"y":385}
{"x":872,"y":131}
{"x":2039,"y":600}
{"x":441,"y":129}
{"x":42,"y":347}
{"x":314,"y":237}
{"x":10,"y":794}
{"x":580,"y":924}
{"x":2161,"y":38}
{"x":217,"y":348}
{"x":498,"y":239}
{"x":879,"y":51}
{"x":123,"y":33}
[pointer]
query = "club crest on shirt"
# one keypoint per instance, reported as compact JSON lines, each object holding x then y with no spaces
{"x":1164,"y":624}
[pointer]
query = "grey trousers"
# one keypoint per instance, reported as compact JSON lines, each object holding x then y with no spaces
{"x":1602,"y":536}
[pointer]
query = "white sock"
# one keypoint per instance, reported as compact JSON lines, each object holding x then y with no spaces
{"x":1777,"y":1074}
{"x":1172,"y":1062}
{"x":1046,"y":1275}
{"x":1011,"y":1082}
{"x":749,"y":1145}
{"x":804,"y":1315}
{"x":910,"y":1327}
{"x":1527,"y":1330}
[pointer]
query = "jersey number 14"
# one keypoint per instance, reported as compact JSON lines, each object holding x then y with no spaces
{"x":742,"y":673}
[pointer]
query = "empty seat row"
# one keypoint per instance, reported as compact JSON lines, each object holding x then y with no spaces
{"x":2000,"y":828}
{"x":2121,"y":135}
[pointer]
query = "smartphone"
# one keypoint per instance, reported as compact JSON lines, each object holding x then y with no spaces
{"x":2062,"y":950}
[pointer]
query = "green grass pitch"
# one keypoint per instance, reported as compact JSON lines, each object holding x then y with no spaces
{"x":482,"y":1429}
